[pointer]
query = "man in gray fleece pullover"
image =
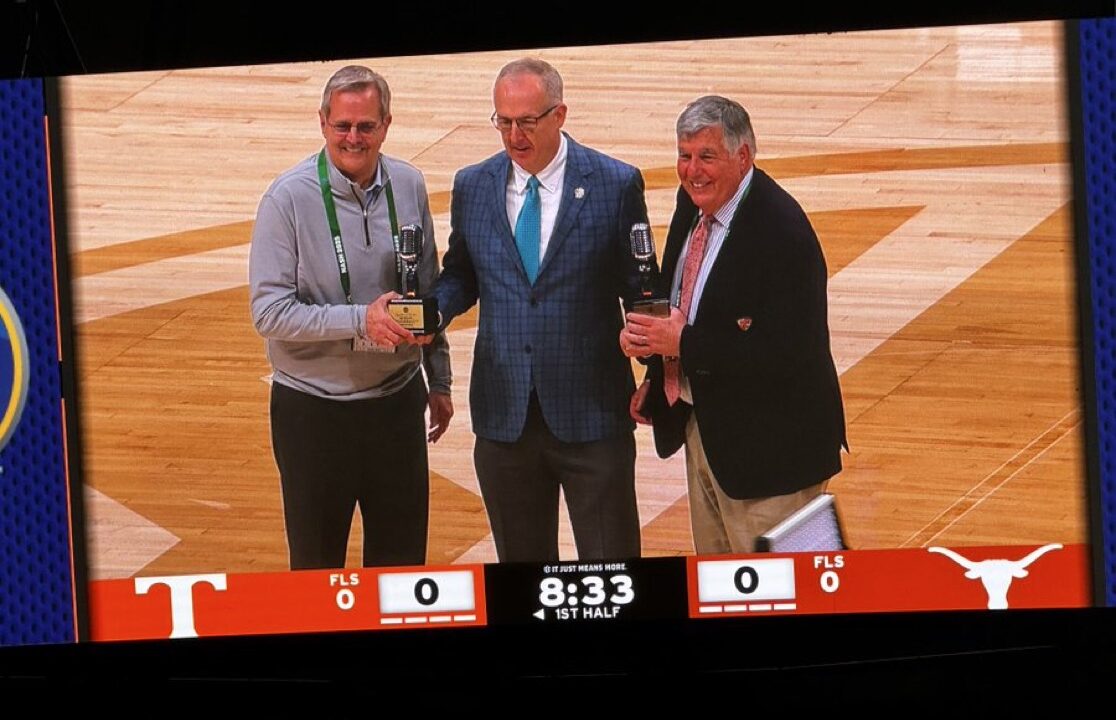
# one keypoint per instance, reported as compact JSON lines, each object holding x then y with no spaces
{"x":347,"y":407}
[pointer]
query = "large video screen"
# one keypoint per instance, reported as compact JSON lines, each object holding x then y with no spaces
{"x":935,"y":165}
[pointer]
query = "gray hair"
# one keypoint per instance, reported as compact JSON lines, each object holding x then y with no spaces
{"x":551,"y":80}
{"x":714,"y":110}
{"x":356,"y":78}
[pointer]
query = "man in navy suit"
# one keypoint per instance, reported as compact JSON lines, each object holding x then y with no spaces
{"x":741,"y":372}
{"x":540,"y":236}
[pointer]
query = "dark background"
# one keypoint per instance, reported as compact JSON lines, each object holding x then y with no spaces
{"x":67,"y":37}
{"x":930,"y":662}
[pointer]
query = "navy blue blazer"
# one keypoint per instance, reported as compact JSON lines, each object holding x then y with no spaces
{"x":757,"y":356}
{"x":560,"y":335}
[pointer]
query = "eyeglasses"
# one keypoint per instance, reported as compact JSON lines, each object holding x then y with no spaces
{"x":526,"y":124}
{"x":363,"y":128}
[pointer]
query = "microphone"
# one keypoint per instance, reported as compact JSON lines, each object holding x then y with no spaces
{"x":643,"y":250}
{"x":410,"y":243}
{"x":415,"y":313}
{"x":409,"y":251}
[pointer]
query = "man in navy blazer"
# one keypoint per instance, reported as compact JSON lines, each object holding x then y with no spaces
{"x":540,"y":236}
{"x":741,"y":373}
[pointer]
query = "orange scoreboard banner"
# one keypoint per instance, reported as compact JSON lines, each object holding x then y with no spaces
{"x":210,"y":604}
{"x":847,"y":581}
{"x":907,"y":580}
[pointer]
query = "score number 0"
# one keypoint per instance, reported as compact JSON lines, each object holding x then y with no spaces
{"x":735,"y":580}
{"x":426,"y":592}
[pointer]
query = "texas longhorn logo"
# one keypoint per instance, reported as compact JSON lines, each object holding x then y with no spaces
{"x":996,"y":575}
{"x":13,"y":369}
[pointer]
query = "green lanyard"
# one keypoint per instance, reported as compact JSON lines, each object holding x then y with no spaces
{"x":335,"y":228}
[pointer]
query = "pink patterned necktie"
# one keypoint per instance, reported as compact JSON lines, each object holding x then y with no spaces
{"x":672,"y":368}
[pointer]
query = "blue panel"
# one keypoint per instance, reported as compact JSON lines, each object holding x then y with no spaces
{"x":36,"y":595}
{"x":1098,"y":99}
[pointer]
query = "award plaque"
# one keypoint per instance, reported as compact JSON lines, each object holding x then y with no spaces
{"x":414,"y":313}
{"x":656,"y":307}
{"x":643,"y":250}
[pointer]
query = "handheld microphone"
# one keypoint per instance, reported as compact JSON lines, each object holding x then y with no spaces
{"x":415,"y":313}
{"x":410,"y":243}
{"x":409,"y":250}
{"x":643,"y":250}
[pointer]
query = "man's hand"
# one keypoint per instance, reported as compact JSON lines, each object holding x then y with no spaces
{"x":441,"y":411}
{"x":382,"y":329}
{"x":646,"y":335}
{"x":427,"y":339}
{"x":630,"y":344}
{"x":635,"y":407}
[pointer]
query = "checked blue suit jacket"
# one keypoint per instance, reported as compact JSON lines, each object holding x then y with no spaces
{"x":560,"y":335}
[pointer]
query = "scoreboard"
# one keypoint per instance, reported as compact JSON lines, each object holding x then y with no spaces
{"x":699,"y":587}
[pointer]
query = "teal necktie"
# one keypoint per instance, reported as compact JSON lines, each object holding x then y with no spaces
{"x":528,"y":229}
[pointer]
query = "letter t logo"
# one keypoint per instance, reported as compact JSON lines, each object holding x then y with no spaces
{"x":181,"y":597}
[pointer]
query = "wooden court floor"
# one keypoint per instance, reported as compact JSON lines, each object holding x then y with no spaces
{"x":933,"y":163}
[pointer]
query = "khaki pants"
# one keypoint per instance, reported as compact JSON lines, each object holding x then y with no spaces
{"x":722,"y":524}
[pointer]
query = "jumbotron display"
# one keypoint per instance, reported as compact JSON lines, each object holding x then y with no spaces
{"x":215,"y":338}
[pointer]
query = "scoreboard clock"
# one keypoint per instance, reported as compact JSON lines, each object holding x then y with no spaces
{"x":586,"y":592}
{"x":590,"y":596}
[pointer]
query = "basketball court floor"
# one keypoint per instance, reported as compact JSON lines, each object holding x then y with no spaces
{"x":933,"y":163}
